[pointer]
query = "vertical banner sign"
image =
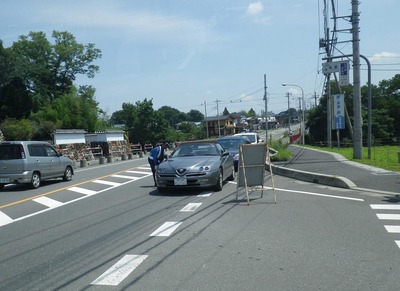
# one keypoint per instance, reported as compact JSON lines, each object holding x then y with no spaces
{"x":338,"y":111}
{"x":344,"y":73}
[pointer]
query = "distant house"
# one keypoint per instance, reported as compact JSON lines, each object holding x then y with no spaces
{"x":225,"y":124}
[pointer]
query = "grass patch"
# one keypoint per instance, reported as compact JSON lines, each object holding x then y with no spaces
{"x":384,"y":157}
{"x":283,"y":154}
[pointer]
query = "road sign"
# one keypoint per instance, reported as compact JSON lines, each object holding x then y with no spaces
{"x":338,"y":113}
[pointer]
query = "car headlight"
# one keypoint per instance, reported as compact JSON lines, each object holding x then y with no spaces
{"x":236,"y":157}
{"x":161,"y":170}
{"x":205,"y":169}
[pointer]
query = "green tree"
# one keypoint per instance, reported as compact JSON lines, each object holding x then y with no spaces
{"x":143,"y":123}
{"x":251,"y":113}
{"x":195,"y":115}
{"x":170,"y":114}
{"x":45,"y":70}
{"x":225,"y":112}
{"x":14,"y":129}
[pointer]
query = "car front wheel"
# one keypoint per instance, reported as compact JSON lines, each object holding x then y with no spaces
{"x":220,"y":182}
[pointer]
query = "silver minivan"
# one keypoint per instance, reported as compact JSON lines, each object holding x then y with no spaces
{"x":30,"y":162}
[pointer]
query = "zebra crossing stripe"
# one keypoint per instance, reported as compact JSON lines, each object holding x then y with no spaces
{"x":49,"y":202}
{"x":190,"y":207}
{"x":385,"y":206}
{"x":139,"y":172}
{"x":388,"y":216}
{"x":82,"y":190}
{"x":167,"y":228}
{"x":124,"y":177}
{"x":120,"y":270}
{"x":104,"y":182}
{"x":393,"y":228}
{"x":5,"y":219}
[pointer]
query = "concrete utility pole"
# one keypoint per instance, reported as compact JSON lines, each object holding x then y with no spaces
{"x":219,"y":126}
{"x":302,"y":124}
{"x":288,"y":107}
{"x":205,"y":112}
{"x":266,"y":108}
{"x":357,"y":138}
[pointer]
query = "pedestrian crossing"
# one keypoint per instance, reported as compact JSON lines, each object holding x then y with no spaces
{"x":129,"y":262}
{"x":44,"y":203}
{"x":390,"y":215}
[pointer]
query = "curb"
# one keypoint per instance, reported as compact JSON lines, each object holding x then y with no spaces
{"x":328,"y":180}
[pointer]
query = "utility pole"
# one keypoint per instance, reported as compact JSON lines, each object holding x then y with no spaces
{"x":219,"y":126}
{"x":288,"y":107}
{"x":357,"y":139}
{"x":205,"y":112}
{"x":266,"y":108}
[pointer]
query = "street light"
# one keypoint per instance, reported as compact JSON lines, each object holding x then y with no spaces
{"x":302,"y":125}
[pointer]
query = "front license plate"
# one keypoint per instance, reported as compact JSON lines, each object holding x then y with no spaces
{"x":4,"y":180}
{"x":180,"y":181}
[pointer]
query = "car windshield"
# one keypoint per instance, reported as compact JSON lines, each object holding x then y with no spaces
{"x":201,"y":149}
{"x":231,"y":144}
{"x":251,"y":137}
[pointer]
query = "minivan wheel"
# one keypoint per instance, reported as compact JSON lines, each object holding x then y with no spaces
{"x":35,"y":181}
{"x":1,"y":186}
{"x":67,"y":174}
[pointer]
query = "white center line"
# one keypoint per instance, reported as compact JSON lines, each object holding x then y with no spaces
{"x":120,"y":270}
{"x":167,"y":228}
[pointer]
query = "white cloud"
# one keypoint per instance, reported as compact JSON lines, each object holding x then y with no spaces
{"x":384,"y":57}
{"x":255,"y":8}
{"x":255,"y":12}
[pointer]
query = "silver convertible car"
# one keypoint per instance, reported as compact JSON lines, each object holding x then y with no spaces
{"x":196,"y":164}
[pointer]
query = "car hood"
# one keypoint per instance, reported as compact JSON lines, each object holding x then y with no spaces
{"x":190,"y":163}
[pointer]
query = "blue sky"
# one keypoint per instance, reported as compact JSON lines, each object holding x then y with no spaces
{"x":187,"y":53}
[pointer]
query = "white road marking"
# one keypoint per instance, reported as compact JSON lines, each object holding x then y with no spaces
{"x":5,"y":219}
{"x":205,"y":194}
{"x":139,"y":172}
{"x":167,"y":228}
{"x":82,"y":190}
{"x":385,"y":206}
{"x":144,"y":168}
{"x":190,"y":207}
{"x":49,"y":202}
{"x":124,"y":177}
{"x":388,"y":216}
{"x":393,"y":228}
{"x":315,"y":194}
{"x":120,"y":270}
{"x":107,"y":182}
{"x":398,"y":243}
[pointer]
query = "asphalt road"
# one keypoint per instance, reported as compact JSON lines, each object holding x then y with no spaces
{"x":109,"y":229}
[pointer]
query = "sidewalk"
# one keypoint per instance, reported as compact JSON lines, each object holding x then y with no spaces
{"x":335,"y":170}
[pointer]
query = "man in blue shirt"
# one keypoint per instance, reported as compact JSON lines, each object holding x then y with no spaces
{"x":155,"y":158}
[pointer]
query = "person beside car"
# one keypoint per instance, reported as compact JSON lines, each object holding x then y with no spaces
{"x":156,"y":157}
